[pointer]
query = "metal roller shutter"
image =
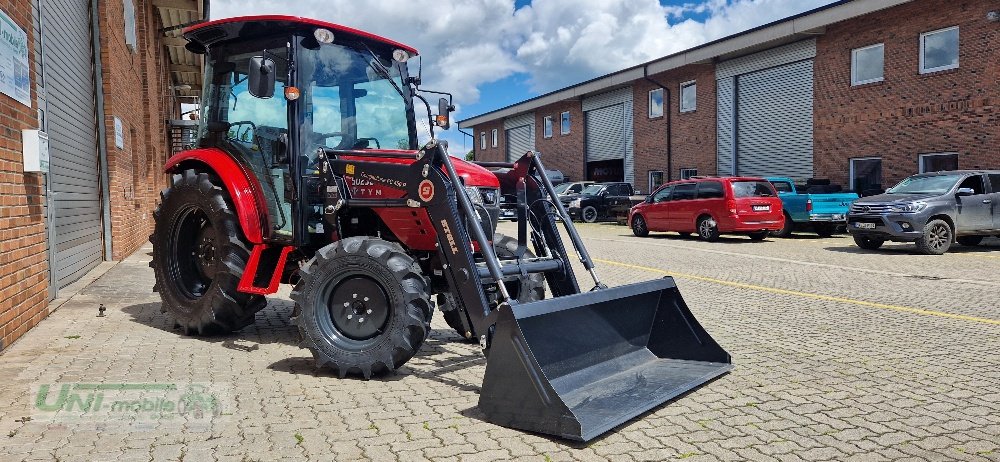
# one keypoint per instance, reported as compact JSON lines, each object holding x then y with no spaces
{"x":775,"y":114}
{"x":519,"y":141}
{"x":605,"y":135}
{"x":71,"y":125}
{"x":726,"y":121}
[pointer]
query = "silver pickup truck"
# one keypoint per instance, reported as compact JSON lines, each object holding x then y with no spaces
{"x":932,"y":210}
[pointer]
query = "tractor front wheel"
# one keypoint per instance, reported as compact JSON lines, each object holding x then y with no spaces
{"x":362,"y":306}
{"x":198,"y":257}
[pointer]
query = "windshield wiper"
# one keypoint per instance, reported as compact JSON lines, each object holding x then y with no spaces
{"x":381,"y":70}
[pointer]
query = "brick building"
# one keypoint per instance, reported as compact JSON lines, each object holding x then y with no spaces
{"x":85,"y":131}
{"x":863,"y":92}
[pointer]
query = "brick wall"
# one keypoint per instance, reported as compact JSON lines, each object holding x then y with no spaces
{"x":562,"y":152}
{"x":24,"y":271}
{"x":692,"y":133}
{"x":908,"y":113}
{"x":490,"y":153}
{"x":136,"y":87}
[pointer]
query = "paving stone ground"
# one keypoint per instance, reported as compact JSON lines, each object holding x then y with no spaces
{"x":839,"y":354}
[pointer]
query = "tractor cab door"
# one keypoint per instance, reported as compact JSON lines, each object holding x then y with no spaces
{"x":256,"y":129}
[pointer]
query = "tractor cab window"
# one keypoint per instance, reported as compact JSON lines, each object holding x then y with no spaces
{"x":352,"y":100}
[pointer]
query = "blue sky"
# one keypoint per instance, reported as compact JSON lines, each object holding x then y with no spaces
{"x":493,"y":53}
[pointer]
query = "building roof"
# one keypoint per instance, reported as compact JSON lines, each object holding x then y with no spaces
{"x":787,"y":30}
{"x":185,"y":66}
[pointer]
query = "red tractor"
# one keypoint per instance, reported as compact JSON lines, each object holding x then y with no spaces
{"x":308,"y":172}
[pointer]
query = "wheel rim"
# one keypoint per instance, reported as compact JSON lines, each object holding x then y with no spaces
{"x":639,"y":225}
{"x":705,"y":229}
{"x":939,"y":236}
{"x":194,"y":253}
{"x":589,"y":214}
{"x":357,"y":308}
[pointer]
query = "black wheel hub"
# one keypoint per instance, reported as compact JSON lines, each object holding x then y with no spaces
{"x":194,"y":264}
{"x":359,"y":308}
{"x":205,"y":252}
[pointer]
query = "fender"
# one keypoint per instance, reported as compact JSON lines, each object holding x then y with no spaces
{"x":243,"y":187}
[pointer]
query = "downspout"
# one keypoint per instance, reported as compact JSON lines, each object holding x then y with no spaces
{"x":667,"y":109}
{"x":102,"y":142}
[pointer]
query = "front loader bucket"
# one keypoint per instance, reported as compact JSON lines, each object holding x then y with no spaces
{"x":579,"y":365}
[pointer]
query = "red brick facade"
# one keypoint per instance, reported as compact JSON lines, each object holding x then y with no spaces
{"x":908,"y":113}
{"x":563,"y":152}
{"x":135,"y":90}
{"x":24,"y":271}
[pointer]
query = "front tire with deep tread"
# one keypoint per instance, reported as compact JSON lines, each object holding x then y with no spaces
{"x":589,"y":214}
{"x":199,"y":254}
{"x":329,"y":302}
{"x":936,"y":238}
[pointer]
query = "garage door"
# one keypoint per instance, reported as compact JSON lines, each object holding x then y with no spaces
{"x":71,"y":125}
{"x":519,"y":141}
{"x":608,"y":135}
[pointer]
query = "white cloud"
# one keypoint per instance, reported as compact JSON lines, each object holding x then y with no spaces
{"x":467,"y":44}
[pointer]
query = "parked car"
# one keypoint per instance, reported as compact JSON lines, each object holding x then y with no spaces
{"x":597,"y":200}
{"x":508,"y":202}
{"x":710,"y":207}
{"x":573,"y":188}
{"x":821,"y":212}
{"x":932,"y":210}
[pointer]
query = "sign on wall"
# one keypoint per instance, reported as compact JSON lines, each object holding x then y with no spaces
{"x":14,"y":78}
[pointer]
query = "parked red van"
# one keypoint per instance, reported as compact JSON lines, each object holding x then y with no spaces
{"x":710,"y":207}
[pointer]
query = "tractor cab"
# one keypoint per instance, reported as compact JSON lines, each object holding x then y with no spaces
{"x":335,"y":87}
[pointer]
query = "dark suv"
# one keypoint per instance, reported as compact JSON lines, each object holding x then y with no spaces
{"x":932,"y":210}
{"x":596,"y":201}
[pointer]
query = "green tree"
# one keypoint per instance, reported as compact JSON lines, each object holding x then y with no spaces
{"x":471,"y":155}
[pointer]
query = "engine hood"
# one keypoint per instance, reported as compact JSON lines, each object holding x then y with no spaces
{"x":472,"y":174}
{"x":895,"y":198}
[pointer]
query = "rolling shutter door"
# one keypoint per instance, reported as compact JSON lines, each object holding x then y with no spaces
{"x":71,"y":126}
{"x":519,"y":135}
{"x":726,"y":119}
{"x":775,"y":115}
{"x":605,"y":133}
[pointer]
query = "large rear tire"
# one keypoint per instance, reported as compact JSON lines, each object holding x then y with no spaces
{"x":363,"y":306}
{"x":524,"y":289}
{"x":199,"y":254}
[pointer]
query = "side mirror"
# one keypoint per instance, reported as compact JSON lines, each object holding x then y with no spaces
{"x":260,"y":77}
{"x":636,"y":193}
{"x":443,"y":118}
{"x":966,"y":192}
{"x":649,"y":199}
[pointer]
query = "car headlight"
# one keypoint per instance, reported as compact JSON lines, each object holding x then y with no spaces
{"x":908,"y":208}
{"x":474,"y":195}
{"x":575,"y":203}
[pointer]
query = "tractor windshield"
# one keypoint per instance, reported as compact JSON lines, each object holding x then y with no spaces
{"x":352,"y":99}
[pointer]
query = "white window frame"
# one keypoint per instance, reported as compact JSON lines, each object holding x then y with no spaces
{"x":482,"y":140}
{"x":921,"y":157}
{"x":649,"y":180}
{"x":565,"y":129}
{"x":854,"y":65}
{"x":851,"y":168}
{"x":131,"y":39}
{"x":680,"y":96}
{"x":649,"y":103}
{"x":941,"y":68}
{"x":689,"y":172}
{"x":494,"y":137}
{"x":547,"y":127}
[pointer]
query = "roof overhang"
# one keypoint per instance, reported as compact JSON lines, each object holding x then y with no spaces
{"x":791,"y":29}
{"x":185,"y":67}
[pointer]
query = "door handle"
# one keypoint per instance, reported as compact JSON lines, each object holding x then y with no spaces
{"x":987,"y":201}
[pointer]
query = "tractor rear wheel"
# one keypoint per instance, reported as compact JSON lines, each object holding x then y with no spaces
{"x":524,"y":289}
{"x":363,"y":306}
{"x":198,"y":257}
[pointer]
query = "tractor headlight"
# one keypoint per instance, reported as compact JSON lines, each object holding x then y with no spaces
{"x":474,"y":195}
{"x":908,"y":208}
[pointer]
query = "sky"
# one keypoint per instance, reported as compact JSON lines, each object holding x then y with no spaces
{"x":493,"y":53}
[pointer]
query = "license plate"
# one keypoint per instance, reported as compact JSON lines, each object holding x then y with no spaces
{"x":860,"y":225}
{"x":762,"y":208}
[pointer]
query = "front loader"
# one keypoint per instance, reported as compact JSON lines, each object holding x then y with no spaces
{"x":308,"y":172}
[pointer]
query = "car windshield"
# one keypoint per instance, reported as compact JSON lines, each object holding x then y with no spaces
{"x":561,"y":188}
{"x":933,"y":184}
{"x":752,"y":189}
{"x":593,"y":189}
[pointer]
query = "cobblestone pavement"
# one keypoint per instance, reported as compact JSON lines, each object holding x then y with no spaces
{"x":840,"y":354}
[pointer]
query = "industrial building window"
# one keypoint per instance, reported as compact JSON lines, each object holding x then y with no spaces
{"x":941,"y":162}
{"x":494,"y":137}
{"x":655,"y":179}
{"x":547,"y":127}
{"x":867,"y":64}
{"x":939,"y":50}
{"x":482,"y":140}
{"x":655,"y":103}
{"x":688,"y":173}
{"x":130,"y":37}
{"x":564,"y":123}
{"x":689,"y":96}
{"x":866,"y":175}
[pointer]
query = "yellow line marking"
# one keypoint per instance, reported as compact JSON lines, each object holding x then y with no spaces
{"x":774,"y":290}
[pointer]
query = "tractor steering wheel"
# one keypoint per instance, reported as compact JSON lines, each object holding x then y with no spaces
{"x":242,"y":122}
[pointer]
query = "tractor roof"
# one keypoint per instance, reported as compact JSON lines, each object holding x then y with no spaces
{"x":207,"y":33}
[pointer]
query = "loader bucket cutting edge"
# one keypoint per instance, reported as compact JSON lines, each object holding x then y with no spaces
{"x":580,"y":365}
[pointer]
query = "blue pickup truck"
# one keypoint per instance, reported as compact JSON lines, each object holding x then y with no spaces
{"x":821,"y":213}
